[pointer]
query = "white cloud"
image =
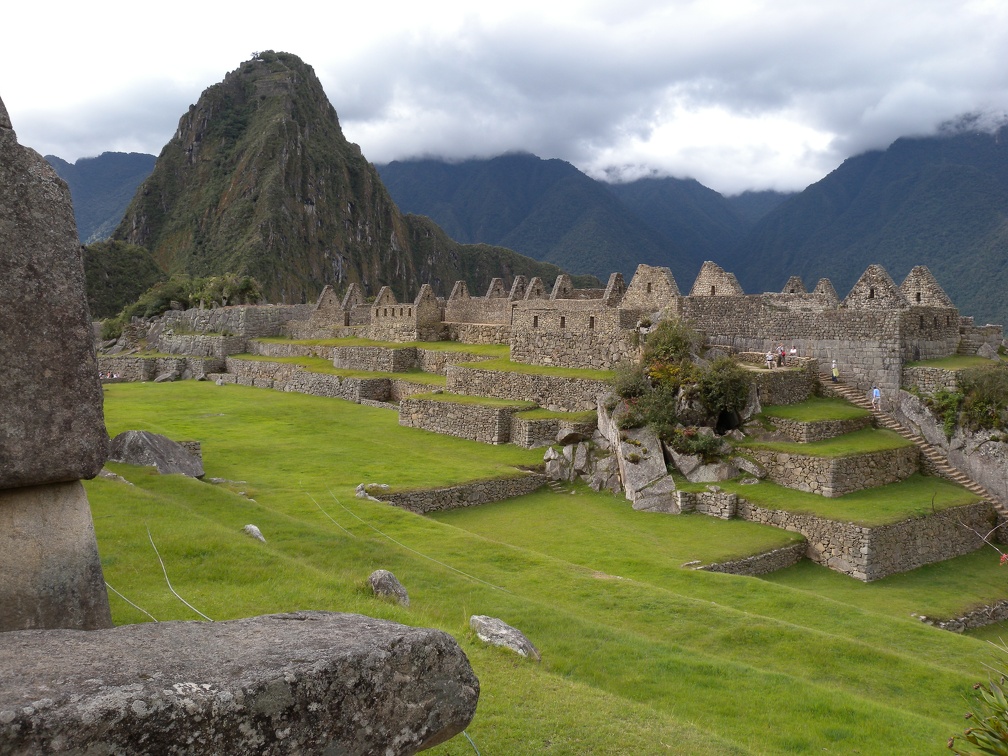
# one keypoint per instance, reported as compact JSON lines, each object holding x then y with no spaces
{"x":737,"y":94}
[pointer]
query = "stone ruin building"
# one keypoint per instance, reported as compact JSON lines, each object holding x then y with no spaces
{"x":871,"y":332}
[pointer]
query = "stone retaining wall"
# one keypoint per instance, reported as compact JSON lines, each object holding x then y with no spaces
{"x":761,"y":564}
{"x":872,"y":553}
{"x":251,"y":321}
{"x":711,"y":503}
{"x":478,"y":333}
{"x":476,"y":422}
{"x":200,"y":345}
{"x":836,"y":476}
{"x":551,"y":392}
{"x":787,"y":386}
{"x":133,"y":368}
{"x":807,"y":432}
{"x":545,"y":431}
{"x":930,"y":379}
{"x":286,"y":349}
{"x":398,"y":360}
{"x":979,"y":617}
{"x":467,"y":494}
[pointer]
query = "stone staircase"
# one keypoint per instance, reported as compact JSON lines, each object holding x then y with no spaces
{"x":936,"y":458}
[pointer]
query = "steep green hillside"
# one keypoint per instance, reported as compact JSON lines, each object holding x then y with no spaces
{"x":259,"y":180}
{"x":544,"y":208}
{"x":939,"y":201}
{"x":101,"y":188}
{"x":116,"y":274}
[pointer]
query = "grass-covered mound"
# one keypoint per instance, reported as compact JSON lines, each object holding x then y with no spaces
{"x":814,"y":410}
{"x":639,"y":654}
{"x":864,"y":441}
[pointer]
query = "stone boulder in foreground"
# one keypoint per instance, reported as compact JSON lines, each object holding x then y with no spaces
{"x":309,"y":682}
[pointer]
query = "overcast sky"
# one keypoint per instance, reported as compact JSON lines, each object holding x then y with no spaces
{"x":739,"y":95}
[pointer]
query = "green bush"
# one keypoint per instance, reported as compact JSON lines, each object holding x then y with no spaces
{"x":692,"y":441}
{"x":670,"y":341}
{"x":985,"y":390}
{"x":630,"y":381}
{"x":658,"y":408}
{"x":724,"y":386}
{"x":988,"y":732}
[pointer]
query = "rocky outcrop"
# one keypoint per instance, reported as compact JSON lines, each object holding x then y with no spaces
{"x":497,"y":632}
{"x":52,"y":431}
{"x":308,"y":682}
{"x":154,"y":450}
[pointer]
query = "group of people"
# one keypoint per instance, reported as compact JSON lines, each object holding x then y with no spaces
{"x":778,"y":355}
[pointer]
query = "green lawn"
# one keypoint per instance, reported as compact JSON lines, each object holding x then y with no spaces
{"x":639,"y":654}
{"x":506,"y":366}
{"x":491,"y":350}
{"x":912,"y":497}
{"x":953,"y":362}
{"x":321,"y":365}
{"x":816,"y":409}
{"x":863,"y":441}
{"x":485,"y":401}
{"x":545,"y":414}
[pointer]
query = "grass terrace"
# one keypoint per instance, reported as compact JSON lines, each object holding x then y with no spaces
{"x":816,"y":409}
{"x":507,"y":366}
{"x":491,"y":350}
{"x":953,"y":362}
{"x":639,"y":654}
{"x":912,"y":497}
{"x":864,"y":441}
{"x":483,"y":401}
{"x":545,"y":414}
{"x":320,"y":365}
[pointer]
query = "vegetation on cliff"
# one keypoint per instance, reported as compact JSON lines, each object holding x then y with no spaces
{"x":116,"y":274}
{"x":259,"y":180}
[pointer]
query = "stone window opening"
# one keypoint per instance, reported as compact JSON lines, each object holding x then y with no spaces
{"x":535,"y":321}
{"x":918,"y":297}
{"x":591,"y":322}
{"x":936,"y":321}
{"x":385,"y":312}
{"x":648,"y":287}
{"x":871,"y":293}
{"x":948,"y":320}
{"x":563,"y":322}
{"x":409,"y":312}
{"x":376,"y":312}
{"x":712,"y":290}
{"x":921,"y":321}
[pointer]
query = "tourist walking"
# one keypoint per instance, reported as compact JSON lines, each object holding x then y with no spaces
{"x":780,"y":355}
{"x":835,"y":377}
{"x":769,"y":360}
{"x":876,"y":398}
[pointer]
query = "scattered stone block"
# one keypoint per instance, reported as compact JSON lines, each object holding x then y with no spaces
{"x":307,"y":682}
{"x":384,"y":583}
{"x":154,"y":450}
{"x":496,"y":632}
{"x":253,"y":531}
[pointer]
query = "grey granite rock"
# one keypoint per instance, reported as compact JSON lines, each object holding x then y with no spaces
{"x":308,"y":682}
{"x":154,"y":450}
{"x":384,"y":583}
{"x":51,"y":423}
{"x":497,"y":632}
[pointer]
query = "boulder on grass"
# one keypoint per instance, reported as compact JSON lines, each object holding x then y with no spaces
{"x":384,"y":583}
{"x":496,"y":632}
{"x":154,"y":450}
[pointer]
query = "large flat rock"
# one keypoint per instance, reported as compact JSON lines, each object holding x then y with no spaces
{"x":51,"y":424}
{"x":307,"y":682}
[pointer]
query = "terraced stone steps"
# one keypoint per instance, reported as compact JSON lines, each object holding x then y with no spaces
{"x":936,"y":458}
